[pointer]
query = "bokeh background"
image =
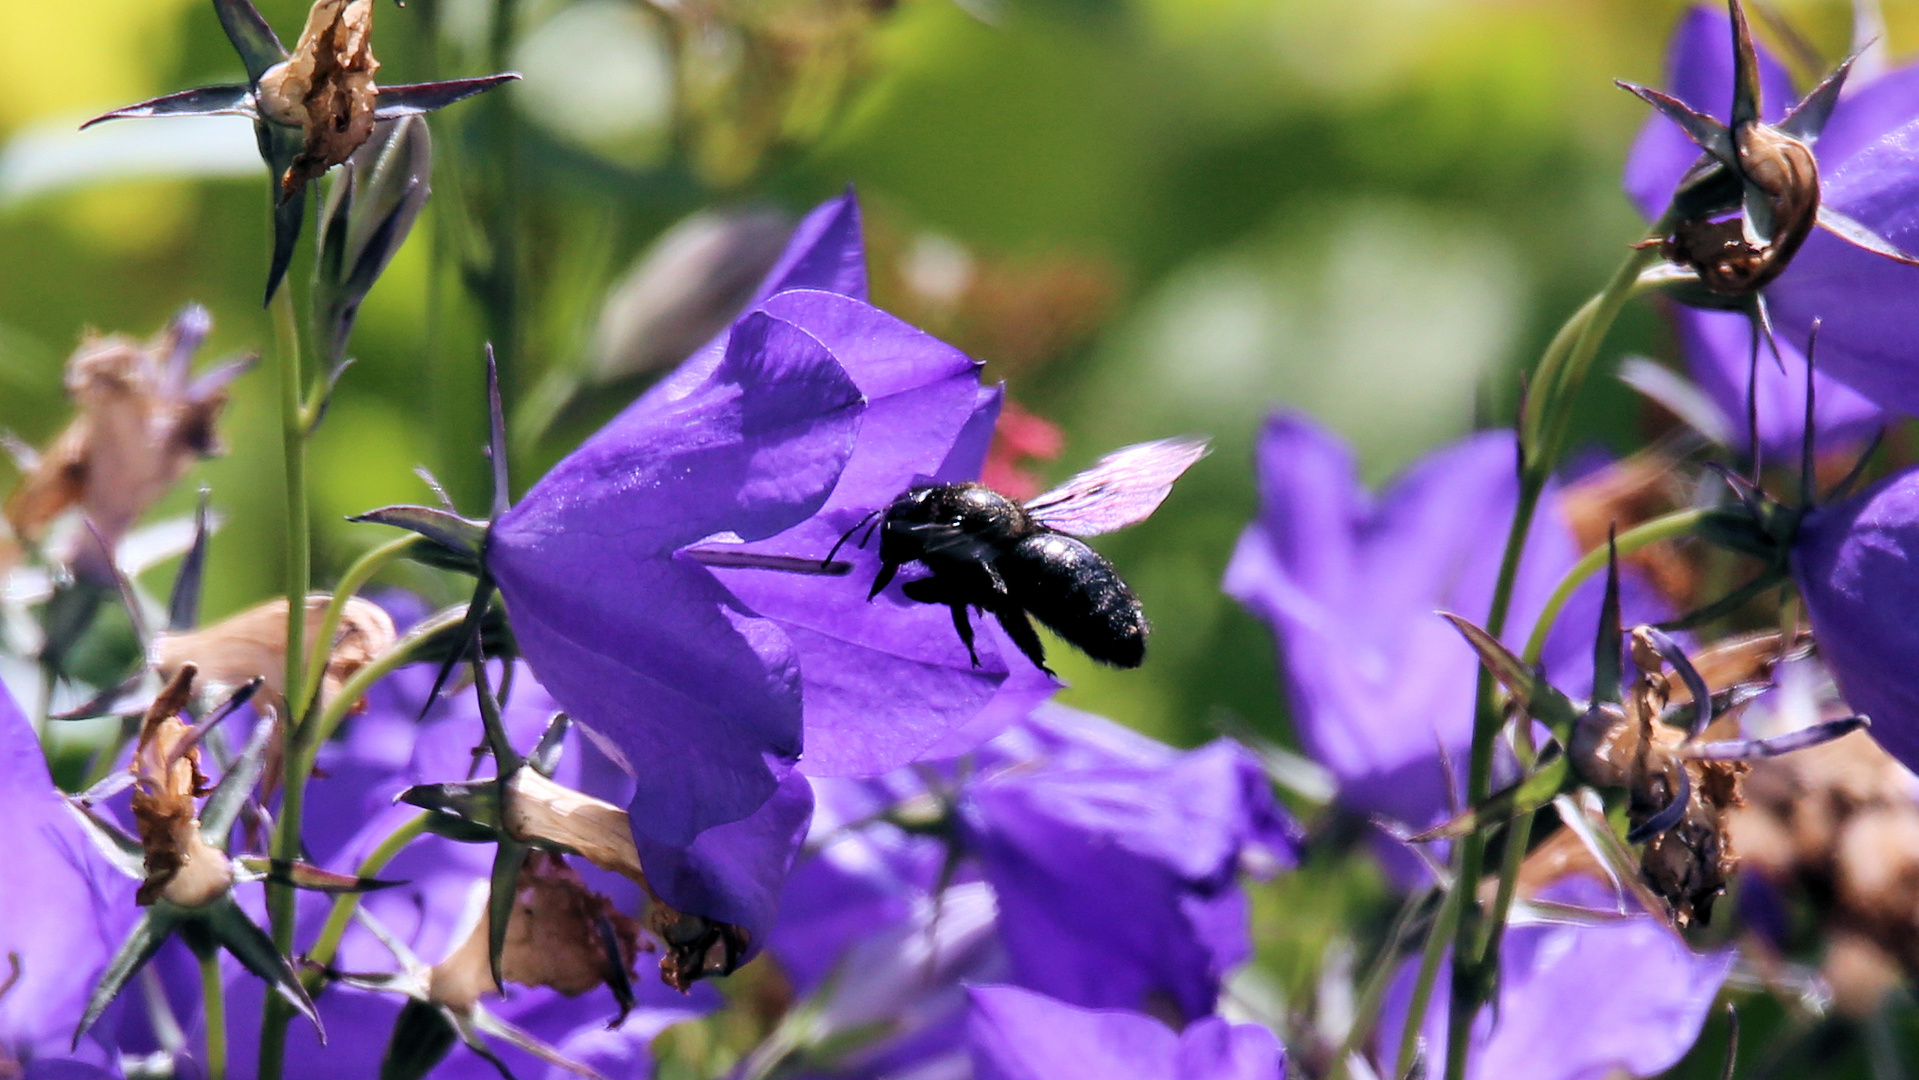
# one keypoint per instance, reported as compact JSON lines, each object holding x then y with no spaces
{"x":1150,"y":217}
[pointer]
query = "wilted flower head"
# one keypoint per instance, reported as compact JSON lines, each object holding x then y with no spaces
{"x":142,"y":421}
{"x":1016,"y":1034}
{"x":181,"y":865}
{"x":253,"y":643}
{"x":311,"y":108}
{"x":1850,"y":275}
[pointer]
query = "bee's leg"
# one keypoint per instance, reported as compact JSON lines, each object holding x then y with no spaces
{"x":993,"y":580}
{"x":1013,"y":618}
{"x":883,"y":578}
{"x":935,"y":590}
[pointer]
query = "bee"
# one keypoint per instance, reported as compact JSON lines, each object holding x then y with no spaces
{"x":989,"y":553}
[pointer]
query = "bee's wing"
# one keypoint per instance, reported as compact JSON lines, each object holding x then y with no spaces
{"x":1123,"y":487}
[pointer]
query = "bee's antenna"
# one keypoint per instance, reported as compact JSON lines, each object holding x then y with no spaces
{"x":848,"y":535}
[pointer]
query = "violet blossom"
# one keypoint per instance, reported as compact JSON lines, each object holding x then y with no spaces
{"x":1016,"y":1034}
{"x":1577,"y":1000}
{"x":814,"y":409}
{"x":1868,"y":164}
{"x":1378,"y":684}
{"x":62,"y":918}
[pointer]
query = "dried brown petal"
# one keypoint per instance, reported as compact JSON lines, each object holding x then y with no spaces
{"x":325,"y":88}
{"x":252,"y":645}
{"x":555,"y":938}
{"x":137,"y":431}
{"x":539,"y":811}
{"x":181,"y":866}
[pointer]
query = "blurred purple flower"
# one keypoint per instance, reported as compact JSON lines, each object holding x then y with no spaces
{"x":812,"y":410}
{"x":1016,"y":1034}
{"x":1868,"y":160}
{"x":1117,"y":867}
{"x":62,"y":917}
{"x":1576,"y":1001}
{"x":1854,"y":564}
{"x":1379,"y":686}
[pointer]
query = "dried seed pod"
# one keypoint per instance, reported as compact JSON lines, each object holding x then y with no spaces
{"x":181,"y":866}
{"x":325,"y":89}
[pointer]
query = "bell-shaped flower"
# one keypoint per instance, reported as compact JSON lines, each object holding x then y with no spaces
{"x":62,"y":915}
{"x":312,"y":107}
{"x":1349,"y":581}
{"x":1581,"y":995}
{"x":1849,"y":273}
{"x":1016,"y":1034}
{"x":1116,"y":860}
{"x":142,"y":420}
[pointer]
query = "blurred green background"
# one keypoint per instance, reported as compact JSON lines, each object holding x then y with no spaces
{"x":1148,"y":216}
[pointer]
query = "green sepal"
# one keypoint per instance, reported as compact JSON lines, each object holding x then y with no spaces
{"x":303,"y":875}
{"x":259,"y":47}
{"x":484,"y":1021}
{"x":1528,"y":794}
{"x":120,"y":849}
{"x":422,"y":1037}
{"x":255,"y":950}
{"x":142,"y":943}
{"x":1535,"y":695}
{"x":229,"y":796}
{"x":458,"y":543}
{"x":1608,"y":657}
{"x":545,"y":758}
{"x":502,"y":887}
{"x":464,"y":810}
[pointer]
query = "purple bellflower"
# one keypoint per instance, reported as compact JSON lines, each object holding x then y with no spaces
{"x":1350,"y":582}
{"x":1067,"y":800}
{"x":62,"y":916}
{"x":1016,"y":1034}
{"x":1577,"y":1000}
{"x":1854,"y":563}
{"x":1867,"y":174}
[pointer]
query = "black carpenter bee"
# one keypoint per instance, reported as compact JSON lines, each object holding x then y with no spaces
{"x":1011,"y":559}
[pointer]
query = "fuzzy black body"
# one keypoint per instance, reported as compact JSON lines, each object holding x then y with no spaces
{"x":988,"y":552}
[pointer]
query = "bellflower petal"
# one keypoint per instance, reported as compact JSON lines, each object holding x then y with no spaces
{"x":1015,"y":1034}
{"x":64,"y":913}
{"x":1717,"y":346}
{"x":1577,"y":1001}
{"x":1166,"y":840}
{"x":1854,"y":565}
{"x":1379,"y":685}
{"x":701,"y":696}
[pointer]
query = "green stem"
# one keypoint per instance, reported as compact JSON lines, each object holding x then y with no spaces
{"x":286,"y":840}
{"x":1646,"y":533}
{"x":346,"y":904}
{"x":1429,"y":960}
{"x":214,"y":1002}
{"x":1544,"y":426}
{"x":350,"y":584}
{"x":403,"y":652}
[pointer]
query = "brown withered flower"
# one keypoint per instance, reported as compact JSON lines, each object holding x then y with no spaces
{"x":142,"y":421}
{"x":253,"y":644}
{"x":181,"y":866}
{"x":561,"y":935}
{"x":325,"y":89}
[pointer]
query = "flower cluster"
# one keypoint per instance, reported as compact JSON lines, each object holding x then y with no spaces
{"x":724,"y":764}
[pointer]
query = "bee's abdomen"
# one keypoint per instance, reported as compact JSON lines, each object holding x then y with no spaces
{"x":1077,"y":593}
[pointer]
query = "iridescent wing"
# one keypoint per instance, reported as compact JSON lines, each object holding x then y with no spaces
{"x":1122,"y":488}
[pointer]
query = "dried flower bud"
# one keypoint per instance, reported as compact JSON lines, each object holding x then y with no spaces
{"x":181,"y":866}
{"x":561,"y":935}
{"x":141,"y":423}
{"x":696,"y":947}
{"x":325,"y":88}
{"x":253,"y":645}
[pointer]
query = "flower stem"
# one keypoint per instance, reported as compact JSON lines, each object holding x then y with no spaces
{"x":1429,"y":960}
{"x":286,"y":840}
{"x":1543,"y":430}
{"x":1646,"y":533}
{"x":350,"y":584}
{"x":346,"y":904}
{"x":214,"y":1002}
